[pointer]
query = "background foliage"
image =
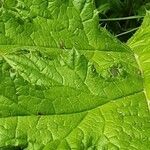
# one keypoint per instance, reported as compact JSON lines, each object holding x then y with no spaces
{"x":119,"y":9}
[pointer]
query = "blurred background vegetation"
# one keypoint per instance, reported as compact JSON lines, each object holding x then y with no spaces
{"x":122,"y":17}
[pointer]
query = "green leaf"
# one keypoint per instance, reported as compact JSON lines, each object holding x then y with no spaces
{"x":140,"y":44}
{"x":65,"y":83}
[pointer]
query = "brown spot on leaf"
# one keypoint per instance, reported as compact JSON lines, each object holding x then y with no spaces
{"x":62,"y":44}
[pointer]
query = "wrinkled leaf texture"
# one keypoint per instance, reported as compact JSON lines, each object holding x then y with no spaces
{"x":66,"y":83}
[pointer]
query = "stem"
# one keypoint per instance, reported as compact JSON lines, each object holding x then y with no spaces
{"x":123,"y":18}
{"x":126,"y":32}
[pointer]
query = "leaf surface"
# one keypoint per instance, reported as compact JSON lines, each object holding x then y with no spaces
{"x":65,"y":83}
{"x":140,"y":44}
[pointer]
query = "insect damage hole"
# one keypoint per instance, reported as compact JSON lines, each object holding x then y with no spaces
{"x":114,"y":71}
{"x":62,"y":44}
{"x":117,"y":71}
